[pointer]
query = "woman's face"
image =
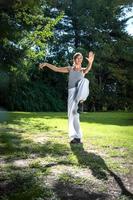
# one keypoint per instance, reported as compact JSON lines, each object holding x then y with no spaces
{"x":78,"y":60}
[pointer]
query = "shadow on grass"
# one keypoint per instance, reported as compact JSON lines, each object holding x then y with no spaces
{"x":110,"y":118}
{"x":24,"y":184}
{"x":28,"y":182}
{"x":98,"y":167}
{"x":14,"y":117}
{"x":68,"y":191}
{"x":13,"y":146}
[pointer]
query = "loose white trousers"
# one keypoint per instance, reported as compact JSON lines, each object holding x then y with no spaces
{"x":75,"y":95}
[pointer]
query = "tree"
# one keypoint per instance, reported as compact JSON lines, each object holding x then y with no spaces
{"x":96,"y":25}
{"x":25,"y":31}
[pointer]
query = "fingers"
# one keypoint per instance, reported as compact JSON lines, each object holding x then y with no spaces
{"x":40,"y":65}
{"x":91,"y":53}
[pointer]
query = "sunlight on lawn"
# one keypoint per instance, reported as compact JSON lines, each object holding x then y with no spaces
{"x":37,"y":145}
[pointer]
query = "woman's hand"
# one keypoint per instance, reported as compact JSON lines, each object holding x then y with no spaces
{"x":42,"y":65}
{"x":90,"y":57}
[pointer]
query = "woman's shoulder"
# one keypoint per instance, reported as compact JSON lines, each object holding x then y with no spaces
{"x":70,"y":68}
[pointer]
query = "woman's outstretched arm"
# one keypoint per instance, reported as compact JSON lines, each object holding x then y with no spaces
{"x":90,"y":59}
{"x":54,"y":68}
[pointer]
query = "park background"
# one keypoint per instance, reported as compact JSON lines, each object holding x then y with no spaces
{"x":36,"y":160}
{"x":52,"y":31}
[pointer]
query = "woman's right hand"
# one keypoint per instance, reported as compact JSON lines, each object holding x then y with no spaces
{"x":42,"y":65}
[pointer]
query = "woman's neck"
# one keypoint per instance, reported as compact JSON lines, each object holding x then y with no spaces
{"x":77,"y":67}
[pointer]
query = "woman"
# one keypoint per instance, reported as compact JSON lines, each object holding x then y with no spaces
{"x":78,"y":91}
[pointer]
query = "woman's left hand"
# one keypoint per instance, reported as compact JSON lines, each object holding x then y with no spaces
{"x":90,"y":57}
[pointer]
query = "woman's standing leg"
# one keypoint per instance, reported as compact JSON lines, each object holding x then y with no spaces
{"x":73,"y":117}
{"x":75,"y":95}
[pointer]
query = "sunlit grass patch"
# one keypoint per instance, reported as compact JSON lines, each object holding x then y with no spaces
{"x":37,"y":145}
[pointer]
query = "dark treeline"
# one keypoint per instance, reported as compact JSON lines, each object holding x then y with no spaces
{"x":34,"y":31}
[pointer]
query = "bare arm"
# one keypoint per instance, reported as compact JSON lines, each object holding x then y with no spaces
{"x":88,"y":68}
{"x":54,"y":68}
{"x":90,"y":59}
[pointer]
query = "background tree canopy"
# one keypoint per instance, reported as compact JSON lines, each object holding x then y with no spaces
{"x":52,"y":31}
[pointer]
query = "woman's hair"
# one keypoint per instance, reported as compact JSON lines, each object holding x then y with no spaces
{"x":75,"y":56}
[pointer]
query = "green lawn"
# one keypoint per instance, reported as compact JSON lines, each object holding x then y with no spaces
{"x":38,"y":163}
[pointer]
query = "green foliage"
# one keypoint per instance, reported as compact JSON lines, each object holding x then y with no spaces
{"x":96,"y":25}
{"x":52,"y":31}
{"x":25,"y":31}
{"x":35,"y":96}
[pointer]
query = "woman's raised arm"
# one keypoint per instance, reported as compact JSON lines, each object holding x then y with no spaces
{"x":90,"y":59}
{"x":54,"y":68}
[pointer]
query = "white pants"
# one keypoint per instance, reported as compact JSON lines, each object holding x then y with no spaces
{"x":75,"y":95}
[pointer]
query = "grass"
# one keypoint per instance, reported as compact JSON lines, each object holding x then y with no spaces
{"x":38,"y":163}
